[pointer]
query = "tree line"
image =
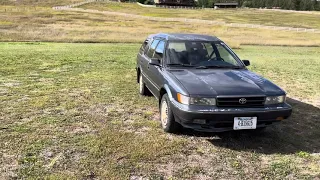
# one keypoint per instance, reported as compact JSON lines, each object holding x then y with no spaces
{"x":299,"y":5}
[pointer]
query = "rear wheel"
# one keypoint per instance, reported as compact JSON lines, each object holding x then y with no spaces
{"x":166,"y":116}
{"x":143,"y":90}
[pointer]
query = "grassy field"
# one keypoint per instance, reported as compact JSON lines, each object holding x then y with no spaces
{"x":245,"y":16}
{"x":41,"y":23}
{"x":73,"y":111}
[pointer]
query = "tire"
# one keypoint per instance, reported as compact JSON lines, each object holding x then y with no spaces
{"x":143,"y":90}
{"x":168,"y":122}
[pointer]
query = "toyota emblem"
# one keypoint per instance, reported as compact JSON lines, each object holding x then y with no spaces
{"x":242,"y":100}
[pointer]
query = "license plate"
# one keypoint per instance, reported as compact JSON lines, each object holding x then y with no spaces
{"x":245,"y":123}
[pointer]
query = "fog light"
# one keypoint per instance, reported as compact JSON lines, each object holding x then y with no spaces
{"x":199,"y":121}
{"x":280,"y":118}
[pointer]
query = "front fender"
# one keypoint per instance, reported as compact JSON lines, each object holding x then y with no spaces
{"x":173,"y":86}
{"x":168,"y":90}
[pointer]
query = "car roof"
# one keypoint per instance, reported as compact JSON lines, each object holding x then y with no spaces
{"x":182,"y":36}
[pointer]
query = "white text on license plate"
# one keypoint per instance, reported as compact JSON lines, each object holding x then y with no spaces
{"x":245,"y":123}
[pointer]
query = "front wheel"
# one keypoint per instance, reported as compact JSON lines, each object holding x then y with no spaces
{"x":166,"y":116}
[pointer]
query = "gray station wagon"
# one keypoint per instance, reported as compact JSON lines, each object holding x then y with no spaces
{"x":202,"y":84}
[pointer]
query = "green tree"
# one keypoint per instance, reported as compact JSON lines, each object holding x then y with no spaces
{"x":297,"y":4}
{"x":316,"y":5}
{"x":306,"y":5}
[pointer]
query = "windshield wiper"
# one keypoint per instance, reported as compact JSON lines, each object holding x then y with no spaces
{"x":216,"y":66}
{"x":207,"y":67}
{"x":180,"y":64}
{"x":237,"y":67}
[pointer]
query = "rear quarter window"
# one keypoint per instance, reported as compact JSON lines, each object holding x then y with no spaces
{"x":143,"y":47}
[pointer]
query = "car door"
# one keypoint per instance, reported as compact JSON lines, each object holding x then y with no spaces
{"x":155,"y":72}
{"x":142,"y":59}
{"x":146,"y":58}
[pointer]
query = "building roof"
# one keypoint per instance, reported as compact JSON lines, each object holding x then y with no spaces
{"x":227,"y":4}
{"x":180,"y":36}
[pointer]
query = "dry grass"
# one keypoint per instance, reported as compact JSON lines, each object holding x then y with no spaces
{"x":244,"y":16}
{"x":44,"y":24}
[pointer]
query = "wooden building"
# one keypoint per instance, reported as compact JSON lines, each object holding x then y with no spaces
{"x":175,"y":2}
{"x":226,"y":5}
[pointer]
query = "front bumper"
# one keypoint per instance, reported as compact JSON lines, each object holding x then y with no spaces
{"x":218,"y":119}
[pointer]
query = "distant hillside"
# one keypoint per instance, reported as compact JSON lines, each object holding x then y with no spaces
{"x":38,"y":2}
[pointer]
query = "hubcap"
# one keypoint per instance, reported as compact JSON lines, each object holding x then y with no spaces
{"x":164,"y":114}
{"x":140,"y":84}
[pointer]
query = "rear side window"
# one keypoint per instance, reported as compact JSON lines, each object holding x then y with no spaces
{"x":144,"y":46}
{"x":152,"y":48}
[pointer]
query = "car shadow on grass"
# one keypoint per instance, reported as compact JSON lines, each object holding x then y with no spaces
{"x":301,"y":132}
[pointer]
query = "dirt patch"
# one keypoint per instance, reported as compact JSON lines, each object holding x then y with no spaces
{"x":138,"y":178}
{"x":9,"y":166}
{"x":79,"y":128}
{"x":11,"y":84}
{"x":3,"y":91}
{"x":46,"y":81}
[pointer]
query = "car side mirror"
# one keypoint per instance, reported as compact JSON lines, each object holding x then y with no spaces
{"x":155,"y":62}
{"x":246,"y":62}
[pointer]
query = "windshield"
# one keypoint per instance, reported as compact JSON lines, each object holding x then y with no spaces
{"x":200,"y":54}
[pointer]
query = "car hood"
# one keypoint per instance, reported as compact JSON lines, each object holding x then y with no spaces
{"x":224,"y":82}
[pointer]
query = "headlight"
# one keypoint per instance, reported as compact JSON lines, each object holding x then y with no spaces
{"x":275,"y":99}
{"x":195,"y":100}
{"x":202,"y":101}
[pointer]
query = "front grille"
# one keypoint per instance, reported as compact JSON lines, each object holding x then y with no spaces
{"x":236,"y":102}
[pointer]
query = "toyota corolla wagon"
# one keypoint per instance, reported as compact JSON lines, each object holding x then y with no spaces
{"x":202,"y":84}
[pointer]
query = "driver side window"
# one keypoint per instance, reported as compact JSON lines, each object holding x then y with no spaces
{"x":152,"y":48}
{"x":159,"y":51}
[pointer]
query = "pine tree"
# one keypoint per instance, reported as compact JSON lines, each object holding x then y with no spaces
{"x":303,"y":5}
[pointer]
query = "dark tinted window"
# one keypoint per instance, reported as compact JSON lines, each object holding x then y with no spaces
{"x":159,"y":50}
{"x":152,"y":48}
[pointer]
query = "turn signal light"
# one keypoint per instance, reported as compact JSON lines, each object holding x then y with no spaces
{"x":280,"y":118}
{"x":183,"y":99}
